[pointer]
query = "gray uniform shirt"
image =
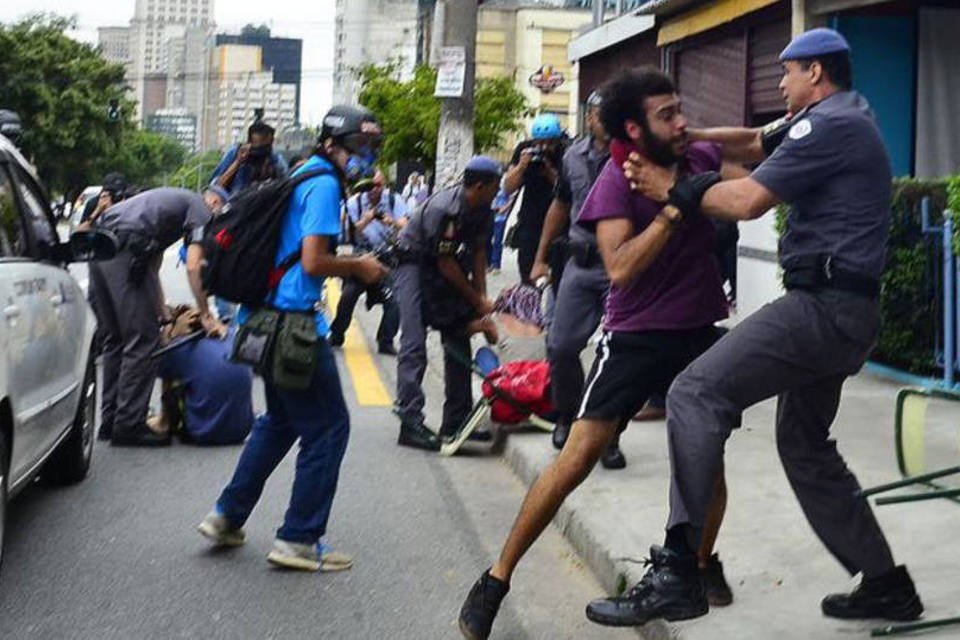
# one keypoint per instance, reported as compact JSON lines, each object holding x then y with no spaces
{"x":834,"y":171}
{"x":444,"y":222}
{"x":165,"y":214}
{"x":581,"y":166}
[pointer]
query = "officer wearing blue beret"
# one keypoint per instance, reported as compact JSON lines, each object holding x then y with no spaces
{"x":441,"y":283}
{"x":828,"y":162}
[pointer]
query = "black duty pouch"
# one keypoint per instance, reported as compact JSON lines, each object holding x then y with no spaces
{"x":254,"y":343}
{"x":295,"y":352}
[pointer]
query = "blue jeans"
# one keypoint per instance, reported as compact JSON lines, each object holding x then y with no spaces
{"x":318,"y":417}
{"x":495,"y":250}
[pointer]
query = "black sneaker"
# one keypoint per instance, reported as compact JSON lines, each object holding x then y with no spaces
{"x":481,"y":606}
{"x":560,"y":433}
{"x":891,"y":596}
{"x":671,"y":590}
{"x":414,"y":433}
{"x":718,"y":591}
{"x":613,"y":458}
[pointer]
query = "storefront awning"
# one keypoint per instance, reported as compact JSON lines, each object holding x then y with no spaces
{"x":705,"y":17}
{"x":667,"y":7}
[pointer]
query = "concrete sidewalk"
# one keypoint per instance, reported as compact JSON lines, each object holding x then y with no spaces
{"x":778,"y":569}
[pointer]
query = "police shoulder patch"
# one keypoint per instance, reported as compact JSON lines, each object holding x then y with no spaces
{"x":800,"y":130}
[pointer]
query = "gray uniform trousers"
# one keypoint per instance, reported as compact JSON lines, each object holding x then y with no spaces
{"x":800,"y":348}
{"x":129,"y":323}
{"x":577,"y":314}
{"x":412,"y":358}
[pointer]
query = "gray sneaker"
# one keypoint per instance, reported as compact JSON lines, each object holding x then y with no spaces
{"x":218,"y":530}
{"x":292,"y":555}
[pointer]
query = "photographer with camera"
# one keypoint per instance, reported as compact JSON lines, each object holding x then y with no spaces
{"x":375,"y":218}
{"x":536,"y":168}
{"x":252,"y":162}
{"x":114,"y":190}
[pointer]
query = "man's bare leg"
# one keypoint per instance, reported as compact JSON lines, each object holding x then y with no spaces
{"x":587,"y":441}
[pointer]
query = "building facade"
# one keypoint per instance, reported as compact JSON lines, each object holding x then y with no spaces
{"x":372,"y":31}
{"x":155,"y":25}
{"x":282,"y":56}
{"x":114,"y":43}
{"x":178,"y":124}
{"x":238,"y":85}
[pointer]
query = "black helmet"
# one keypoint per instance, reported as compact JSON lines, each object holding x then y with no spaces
{"x":10,"y":125}
{"x":344,"y":119}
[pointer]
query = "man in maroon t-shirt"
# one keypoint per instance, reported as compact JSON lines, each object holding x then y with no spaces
{"x":665,"y":296}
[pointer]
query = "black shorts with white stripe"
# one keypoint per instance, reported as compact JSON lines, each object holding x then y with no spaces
{"x":631,"y":366}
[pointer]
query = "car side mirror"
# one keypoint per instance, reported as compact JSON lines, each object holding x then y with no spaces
{"x":93,"y":245}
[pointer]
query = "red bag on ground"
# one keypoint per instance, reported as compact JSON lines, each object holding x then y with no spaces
{"x":527,"y":383}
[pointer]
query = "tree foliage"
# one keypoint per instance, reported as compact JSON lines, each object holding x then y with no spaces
{"x":410,"y":114}
{"x":62,"y":89}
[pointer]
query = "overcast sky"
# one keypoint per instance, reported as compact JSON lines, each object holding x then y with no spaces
{"x":310,"y":21}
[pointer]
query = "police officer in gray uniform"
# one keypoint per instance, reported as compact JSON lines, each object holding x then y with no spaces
{"x":441,"y":282}
{"x":130,"y":303}
{"x":833,"y":169}
{"x":583,"y":285}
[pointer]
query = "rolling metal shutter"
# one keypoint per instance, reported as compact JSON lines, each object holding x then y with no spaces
{"x":766,"y":43}
{"x":711,"y":78}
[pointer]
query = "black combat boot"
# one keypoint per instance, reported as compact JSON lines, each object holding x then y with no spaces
{"x":671,"y":590}
{"x":718,"y":591}
{"x":891,"y":596}
{"x":413,"y":433}
{"x":560,"y":433}
{"x":481,"y":606}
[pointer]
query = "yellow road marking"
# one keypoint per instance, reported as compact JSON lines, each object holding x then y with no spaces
{"x":367,"y":383}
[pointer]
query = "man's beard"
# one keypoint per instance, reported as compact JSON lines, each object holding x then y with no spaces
{"x":659,"y":151}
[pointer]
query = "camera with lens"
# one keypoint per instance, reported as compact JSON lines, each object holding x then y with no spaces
{"x":381,"y":292}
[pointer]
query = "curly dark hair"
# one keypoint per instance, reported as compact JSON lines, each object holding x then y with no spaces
{"x":623,"y":96}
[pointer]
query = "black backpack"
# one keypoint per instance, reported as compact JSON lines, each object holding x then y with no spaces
{"x":240,"y":244}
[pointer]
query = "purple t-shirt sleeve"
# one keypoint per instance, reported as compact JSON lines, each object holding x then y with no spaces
{"x":608,"y":198}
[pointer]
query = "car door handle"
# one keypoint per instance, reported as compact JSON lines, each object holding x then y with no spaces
{"x":11,"y":312}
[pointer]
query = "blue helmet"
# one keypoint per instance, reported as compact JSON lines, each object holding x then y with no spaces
{"x":546,"y":126}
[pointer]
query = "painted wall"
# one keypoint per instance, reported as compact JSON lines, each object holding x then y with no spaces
{"x":884,"y":70}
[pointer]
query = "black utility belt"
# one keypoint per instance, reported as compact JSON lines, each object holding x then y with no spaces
{"x":585,"y":254}
{"x":819,"y":272}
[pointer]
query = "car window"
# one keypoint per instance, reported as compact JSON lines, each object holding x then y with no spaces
{"x":12,"y":240}
{"x":42,"y":232}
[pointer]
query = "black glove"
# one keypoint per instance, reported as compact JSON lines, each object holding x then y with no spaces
{"x":687,"y":192}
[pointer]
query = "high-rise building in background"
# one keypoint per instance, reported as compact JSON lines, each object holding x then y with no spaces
{"x":238,"y":84}
{"x":157,"y":27}
{"x":114,"y":43}
{"x":372,"y":31}
{"x":282,"y":56}
{"x":178,"y":124}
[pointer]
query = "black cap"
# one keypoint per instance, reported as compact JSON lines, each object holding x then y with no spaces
{"x":344,"y":119}
{"x":115,"y":182}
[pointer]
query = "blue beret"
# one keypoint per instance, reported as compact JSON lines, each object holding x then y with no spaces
{"x":813,"y":43}
{"x":483,"y":164}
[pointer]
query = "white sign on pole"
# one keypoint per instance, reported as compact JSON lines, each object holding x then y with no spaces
{"x":451,"y":71}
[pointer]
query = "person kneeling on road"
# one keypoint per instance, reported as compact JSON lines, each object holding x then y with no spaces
{"x":315,"y":413}
{"x":207,"y":399}
{"x":441,"y":283}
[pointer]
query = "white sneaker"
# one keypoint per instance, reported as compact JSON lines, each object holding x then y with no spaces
{"x":215,"y":528}
{"x":331,"y":560}
{"x":293,"y":555}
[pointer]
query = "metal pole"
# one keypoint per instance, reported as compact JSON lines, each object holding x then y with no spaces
{"x":918,"y":497}
{"x":598,"y":7}
{"x":906,"y":482}
{"x":949,"y":292}
{"x":897,"y":629}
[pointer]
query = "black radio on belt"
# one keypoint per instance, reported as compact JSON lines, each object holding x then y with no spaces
{"x":585,"y":254}
{"x":818,"y":271}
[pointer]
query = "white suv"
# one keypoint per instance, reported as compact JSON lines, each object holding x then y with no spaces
{"x":48,"y":381}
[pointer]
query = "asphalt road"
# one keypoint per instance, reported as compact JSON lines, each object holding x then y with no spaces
{"x":117,"y":556}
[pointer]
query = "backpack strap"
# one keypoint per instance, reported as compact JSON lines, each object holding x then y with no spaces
{"x":277,"y":273}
